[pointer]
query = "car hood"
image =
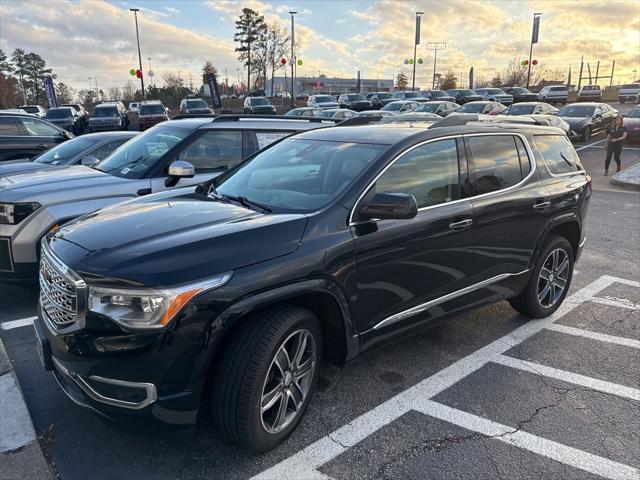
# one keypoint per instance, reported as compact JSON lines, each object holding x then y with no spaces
{"x":174,"y":238}
{"x":199,"y":110}
{"x":328,"y":105}
{"x":263,"y":107}
{"x":68,"y":183}
{"x":22,"y":166}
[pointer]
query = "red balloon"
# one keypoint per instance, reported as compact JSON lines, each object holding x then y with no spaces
{"x":534,"y":62}
{"x":139,"y":73}
{"x":283,"y":61}
{"x":526,"y":62}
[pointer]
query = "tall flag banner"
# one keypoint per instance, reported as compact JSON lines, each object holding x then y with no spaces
{"x":50,"y":92}
{"x":215,"y":94}
{"x":358,"y":84}
{"x":418,"y":30}
{"x":471,"y":78}
{"x":536,"y":29}
{"x":569,"y":78}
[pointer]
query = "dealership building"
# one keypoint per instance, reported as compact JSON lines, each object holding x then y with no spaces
{"x":328,"y":85}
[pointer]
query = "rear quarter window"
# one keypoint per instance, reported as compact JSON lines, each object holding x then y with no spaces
{"x":495,"y":161}
{"x":558,"y":154}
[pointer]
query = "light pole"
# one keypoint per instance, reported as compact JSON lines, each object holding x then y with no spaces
{"x":150,"y":71}
{"x":135,"y":15}
{"x":415,"y":46}
{"x":534,"y":39}
{"x":293,"y":41}
{"x":435,"y":46}
{"x":90,"y":88}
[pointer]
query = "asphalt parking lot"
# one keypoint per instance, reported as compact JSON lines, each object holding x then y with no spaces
{"x":486,"y":395}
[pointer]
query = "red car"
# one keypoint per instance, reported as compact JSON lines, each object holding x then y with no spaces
{"x":631,"y":121}
{"x":150,"y":114}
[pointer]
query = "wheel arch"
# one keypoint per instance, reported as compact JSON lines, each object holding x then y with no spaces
{"x":568,"y":227}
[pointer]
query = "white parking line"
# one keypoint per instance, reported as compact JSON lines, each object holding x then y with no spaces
{"x":620,"y":303}
{"x":23,"y":322}
{"x":569,"y":377}
{"x":601,"y":337}
{"x":547,"y":448}
{"x":304,"y":464}
{"x":590,"y":145}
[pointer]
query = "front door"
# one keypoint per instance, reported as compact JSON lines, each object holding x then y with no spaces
{"x":406,"y":264}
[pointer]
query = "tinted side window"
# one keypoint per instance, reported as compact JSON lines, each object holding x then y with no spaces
{"x":429,"y":173}
{"x":525,"y":163}
{"x":38,"y":127}
{"x":558,"y":153}
{"x":215,"y":150}
{"x":495,"y":160}
{"x":8,"y":126}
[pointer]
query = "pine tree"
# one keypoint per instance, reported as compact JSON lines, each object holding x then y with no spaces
{"x":250,"y":27}
{"x":402,"y":82}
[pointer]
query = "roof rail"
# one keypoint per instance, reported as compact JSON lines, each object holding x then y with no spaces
{"x":460,"y":119}
{"x":180,"y":116}
{"x":360,"y":120}
{"x":240,"y":116}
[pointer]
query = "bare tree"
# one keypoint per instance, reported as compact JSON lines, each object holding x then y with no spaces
{"x":514,"y":74}
{"x":449,"y":80}
{"x":172,"y":80}
{"x":496,"y":81}
{"x":113,"y":94}
{"x":277,"y":40}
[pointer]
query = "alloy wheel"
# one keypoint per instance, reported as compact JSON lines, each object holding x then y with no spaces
{"x":288,"y":381}
{"x":553,"y":278}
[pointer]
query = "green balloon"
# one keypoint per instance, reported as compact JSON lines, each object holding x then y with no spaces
{"x":299,"y":62}
{"x":411,"y":61}
{"x":420,"y":60}
{"x":132,"y":72}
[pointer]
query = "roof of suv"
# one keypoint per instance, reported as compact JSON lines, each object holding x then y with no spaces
{"x":254,"y":122}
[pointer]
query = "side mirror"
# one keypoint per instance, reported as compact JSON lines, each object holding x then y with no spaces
{"x":181,"y":169}
{"x":90,"y":161}
{"x":398,"y":206}
{"x":597,"y":115}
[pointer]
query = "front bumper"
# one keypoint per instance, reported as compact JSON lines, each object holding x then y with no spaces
{"x":102,"y":127}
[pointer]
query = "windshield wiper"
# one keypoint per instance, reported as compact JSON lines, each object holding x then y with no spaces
{"x":244,"y":201}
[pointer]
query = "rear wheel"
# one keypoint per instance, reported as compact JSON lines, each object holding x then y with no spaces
{"x":549,"y":282}
{"x":267,"y":376}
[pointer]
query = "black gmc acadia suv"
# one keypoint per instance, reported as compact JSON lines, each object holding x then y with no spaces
{"x":228,"y":298}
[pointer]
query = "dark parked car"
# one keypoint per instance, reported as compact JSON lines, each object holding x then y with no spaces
{"x":380,"y":99}
{"x":463,"y":96}
{"x":631,"y":122}
{"x":259,"y":105}
{"x":151,"y":113}
{"x":316,"y":249}
{"x":439,"y":95}
{"x":521,"y":94}
{"x":81,"y":111}
{"x":304,"y":112}
{"x":354,"y":101}
{"x":587,"y":119}
{"x":409,"y":95}
{"x":87,"y":149}
{"x":495,"y":95}
{"x":25,"y":136}
{"x":442,"y":108}
{"x":65,"y":117}
{"x":531,"y":108}
{"x":108,"y":116}
{"x":190,"y":106}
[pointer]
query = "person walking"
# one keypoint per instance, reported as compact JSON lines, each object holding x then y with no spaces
{"x":615,"y":136}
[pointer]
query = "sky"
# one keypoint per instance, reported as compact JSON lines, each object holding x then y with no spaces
{"x":94,"y":38}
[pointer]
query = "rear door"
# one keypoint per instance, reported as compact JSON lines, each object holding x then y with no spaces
{"x":403,"y":265}
{"x":509,"y":204}
{"x":40,"y":135}
{"x":13,"y":142}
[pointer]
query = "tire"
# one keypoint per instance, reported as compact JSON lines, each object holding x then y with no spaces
{"x":586,"y":135}
{"x":621,"y":100}
{"x":529,"y":301}
{"x":248,"y":370}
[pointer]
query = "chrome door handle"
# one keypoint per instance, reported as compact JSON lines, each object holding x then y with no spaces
{"x":542,"y":205}
{"x":461,"y":224}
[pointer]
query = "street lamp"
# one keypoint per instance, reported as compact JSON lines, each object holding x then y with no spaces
{"x":534,"y":39}
{"x":292,"y":61}
{"x":415,"y":45}
{"x":135,"y":15}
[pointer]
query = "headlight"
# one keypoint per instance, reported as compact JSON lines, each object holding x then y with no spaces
{"x":14,"y":213}
{"x":148,"y":308}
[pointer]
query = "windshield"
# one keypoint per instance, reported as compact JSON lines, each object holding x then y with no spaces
{"x":519,"y":90}
{"x":63,"y":153}
{"x":634,"y":113}
{"x":384,"y":96}
{"x":140,"y":154}
{"x":299,"y":175}
{"x":324,"y":98}
{"x":438,"y":93}
{"x":197,"y":103}
{"x":59,"y":113}
{"x":151,"y":110}
{"x":467,"y":92}
{"x":355,"y":98}
{"x":99,"y":112}
{"x":558,"y":89}
{"x":411,"y":95}
{"x":427,"y":107}
{"x":471,"y":108}
{"x":393,"y":106}
{"x":631,"y":85}
{"x":259,"y":101}
{"x":575,"y":111}
{"x":495,"y":91}
{"x":327,"y":113}
{"x":30,"y":109}
{"x":520,"y":109}
{"x":591,"y":87}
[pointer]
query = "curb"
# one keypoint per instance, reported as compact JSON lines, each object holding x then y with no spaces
{"x":20,"y":453}
{"x":629,"y":177}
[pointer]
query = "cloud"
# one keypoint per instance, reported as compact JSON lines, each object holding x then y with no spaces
{"x":340,"y":21}
{"x":173,"y":10}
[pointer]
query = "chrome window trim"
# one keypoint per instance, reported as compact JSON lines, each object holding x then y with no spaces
{"x":532,"y":163}
{"x":544,"y":160}
{"x":151,"y":394}
{"x":395,"y":318}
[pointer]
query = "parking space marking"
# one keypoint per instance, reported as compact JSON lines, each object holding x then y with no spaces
{"x":590,"y":145}
{"x":569,"y":377}
{"x":619,"y":303}
{"x":23,"y":322}
{"x":527,"y":441}
{"x":601,"y":337}
{"x":304,"y":463}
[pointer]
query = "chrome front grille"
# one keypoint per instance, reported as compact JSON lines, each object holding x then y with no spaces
{"x":61,"y":294}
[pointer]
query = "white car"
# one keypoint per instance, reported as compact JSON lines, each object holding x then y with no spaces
{"x":554,"y":94}
{"x":322,"y":101}
{"x":590,"y":93}
{"x":628,"y":92}
{"x":400,"y":106}
{"x":134,"y":107}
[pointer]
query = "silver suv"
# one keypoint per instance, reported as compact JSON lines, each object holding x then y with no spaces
{"x":554,"y":94}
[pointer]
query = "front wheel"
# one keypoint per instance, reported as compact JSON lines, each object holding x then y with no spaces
{"x":549,"y":282}
{"x":267,"y":376}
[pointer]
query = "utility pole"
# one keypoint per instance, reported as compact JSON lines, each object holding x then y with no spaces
{"x":150,"y":72}
{"x":95,"y":79}
{"x":415,"y":46}
{"x":292,"y":60}
{"x":135,"y":15}
{"x":613,"y":66}
{"x":90,"y":88}
{"x":435,"y":46}
{"x":534,"y":39}
{"x":580,"y":75}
